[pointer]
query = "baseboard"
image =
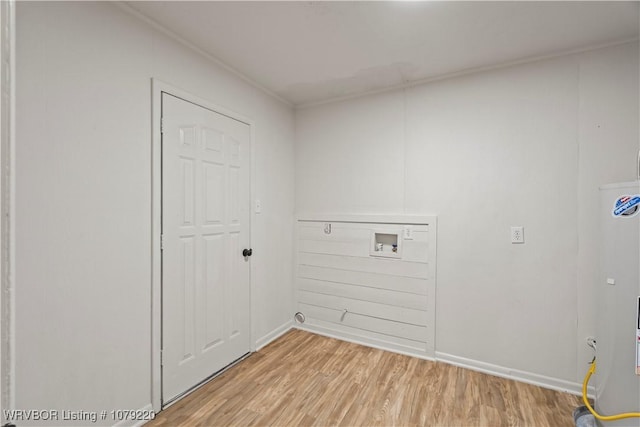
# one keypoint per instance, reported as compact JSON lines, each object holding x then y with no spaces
{"x":475,"y":365}
{"x":355,"y":339}
{"x":514,"y":374}
{"x":486,"y":368}
{"x":273,"y":335}
{"x":148,"y":409}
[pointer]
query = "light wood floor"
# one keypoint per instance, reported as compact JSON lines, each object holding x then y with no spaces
{"x":310,"y":380}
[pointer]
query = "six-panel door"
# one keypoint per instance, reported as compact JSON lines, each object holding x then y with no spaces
{"x":205,"y":226}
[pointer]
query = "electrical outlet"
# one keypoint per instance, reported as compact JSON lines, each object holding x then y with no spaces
{"x":407,"y":232}
{"x":517,"y":234}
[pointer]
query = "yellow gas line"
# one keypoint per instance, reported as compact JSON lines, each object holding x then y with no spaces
{"x":585,"y":383}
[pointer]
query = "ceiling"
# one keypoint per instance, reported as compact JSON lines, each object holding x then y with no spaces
{"x":311,"y":52}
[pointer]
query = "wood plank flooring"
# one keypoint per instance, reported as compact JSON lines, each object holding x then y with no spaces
{"x":303,"y":379}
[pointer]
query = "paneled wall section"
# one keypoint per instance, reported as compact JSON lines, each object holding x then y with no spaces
{"x":349,"y":288}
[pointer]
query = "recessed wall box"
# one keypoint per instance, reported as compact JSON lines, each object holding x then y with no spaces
{"x":386,"y":244}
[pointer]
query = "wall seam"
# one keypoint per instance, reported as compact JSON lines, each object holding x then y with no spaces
{"x":580,"y":214}
{"x":7,"y":121}
{"x":405,"y":143}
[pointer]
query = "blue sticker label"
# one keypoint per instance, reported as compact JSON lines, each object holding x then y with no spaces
{"x":626,"y":206}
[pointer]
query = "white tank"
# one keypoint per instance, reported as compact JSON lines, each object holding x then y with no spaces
{"x":617,"y":384}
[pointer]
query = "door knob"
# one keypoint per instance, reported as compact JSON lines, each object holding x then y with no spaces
{"x":247,"y":252}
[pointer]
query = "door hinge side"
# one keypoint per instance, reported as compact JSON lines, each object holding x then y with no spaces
{"x":161,"y":357}
{"x":162,"y":242}
{"x":162,"y":125}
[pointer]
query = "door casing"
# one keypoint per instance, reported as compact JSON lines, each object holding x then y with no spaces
{"x":157,"y":88}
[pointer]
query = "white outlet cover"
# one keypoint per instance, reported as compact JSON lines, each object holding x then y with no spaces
{"x":407,"y":233}
{"x":517,"y":234}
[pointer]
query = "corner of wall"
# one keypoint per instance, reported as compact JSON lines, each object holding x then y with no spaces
{"x":7,"y":205}
{"x":273,"y":335}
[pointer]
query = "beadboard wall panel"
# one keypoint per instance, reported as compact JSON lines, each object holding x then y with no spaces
{"x":348,"y":289}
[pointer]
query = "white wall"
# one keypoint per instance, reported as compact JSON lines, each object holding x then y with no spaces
{"x":526,"y":145}
{"x":4,"y":142}
{"x":608,"y":135}
{"x":84,"y":200}
{"x":7,"y":178}
{"x":449,"y":148}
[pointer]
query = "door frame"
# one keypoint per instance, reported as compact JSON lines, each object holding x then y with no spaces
{"x":159,"y":87}
{"x":7,"y":206}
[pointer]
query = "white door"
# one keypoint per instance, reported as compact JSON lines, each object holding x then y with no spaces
{"x":205,"y":227}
